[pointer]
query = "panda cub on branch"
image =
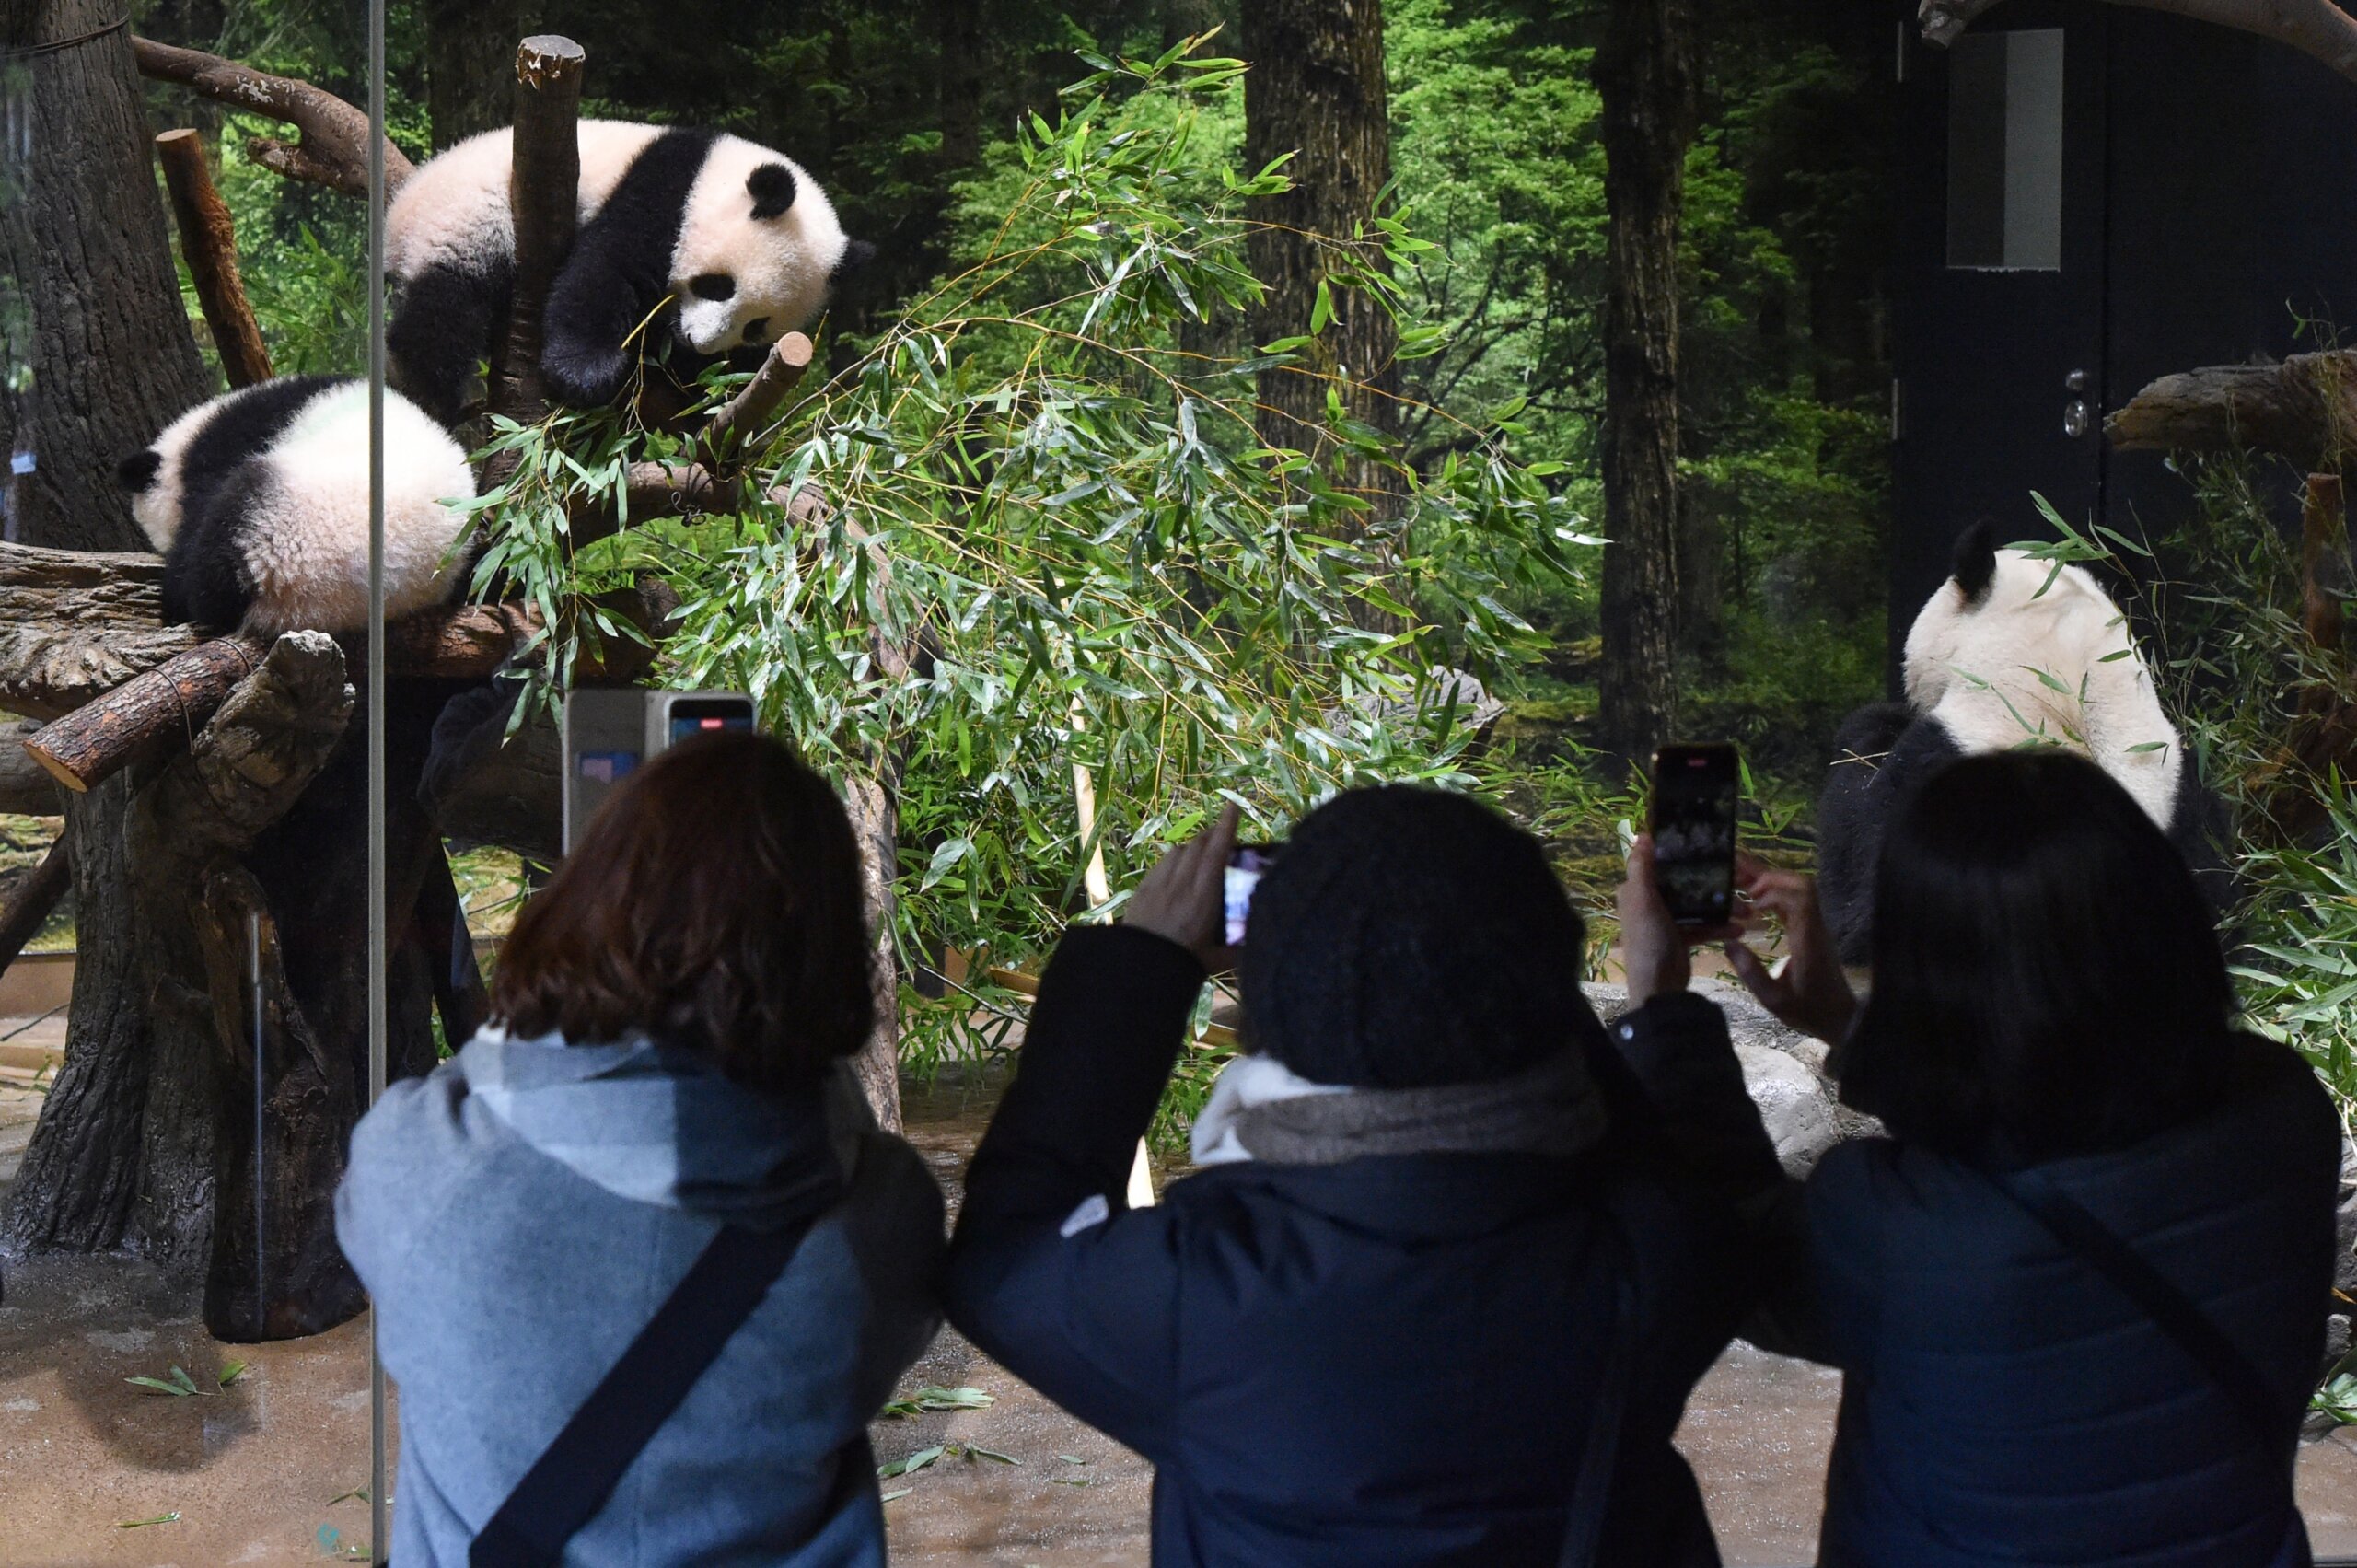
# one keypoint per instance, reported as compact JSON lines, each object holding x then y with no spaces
{"x":739,"y":237}
{"x":259,"y":503}
{"x":2008,"y":652}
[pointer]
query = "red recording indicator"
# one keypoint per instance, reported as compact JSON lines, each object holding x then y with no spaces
{"x":710,"y":724}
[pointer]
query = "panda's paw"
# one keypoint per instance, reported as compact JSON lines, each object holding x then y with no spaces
{"x":584,"y":377}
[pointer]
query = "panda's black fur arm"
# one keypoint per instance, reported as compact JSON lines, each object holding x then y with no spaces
{"x":618,"y":270}
{"x":205,"y":580}
{"x":437,"y":337}
{"x":1882,"y":753}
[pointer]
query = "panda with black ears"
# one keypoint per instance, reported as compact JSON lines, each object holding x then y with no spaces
{"x":739,"y":238}
{"x":257,"y":501}
{"x":2008,"y":652}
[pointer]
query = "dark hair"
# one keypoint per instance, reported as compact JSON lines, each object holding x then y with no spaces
{"x":714,"y":903}
{"x":2046,"y":980}
{"x":1406,"y":937}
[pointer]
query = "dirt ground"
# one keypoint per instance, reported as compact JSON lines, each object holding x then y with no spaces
{"x":270,"y":1470}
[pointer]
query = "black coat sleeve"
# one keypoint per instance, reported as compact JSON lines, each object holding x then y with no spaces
{"x":1049,"y":1272}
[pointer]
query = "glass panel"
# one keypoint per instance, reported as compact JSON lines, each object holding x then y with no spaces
{"x":2005,"y":151}
{"x":184,"y":1348}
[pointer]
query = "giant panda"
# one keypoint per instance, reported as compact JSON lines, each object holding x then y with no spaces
{"x":743,"y":240}
{"x":2008,"y":652}
{"x":257,"y":501}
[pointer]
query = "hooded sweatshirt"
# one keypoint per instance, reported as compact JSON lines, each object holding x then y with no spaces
{"x":520,"y":1213}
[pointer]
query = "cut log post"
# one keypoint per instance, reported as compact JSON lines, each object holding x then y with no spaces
{"x":543,"y":191}
{"x":333,"y":148}
{"x":23,"y":915}
{"x":149,"y":716}
{"x":737,"y":427}
{"x":2305,"y":408}
{"x":209,"y":246}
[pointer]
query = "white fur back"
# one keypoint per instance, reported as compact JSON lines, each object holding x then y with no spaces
{"x":307,"y":535}
{"x":1976,"y":668}
{"x":454,"y":208}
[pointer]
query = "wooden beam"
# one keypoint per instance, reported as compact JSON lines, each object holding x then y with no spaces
{"x":23,"y":915}
{"x":152,"y":715}
{"x":209,"y":245}
{"x":333,"y":147}
{"x":2317,"y":29}
{"x":544,"y":192}
{"x":2303,"y":408}
{"x":74,"y":624}
{"x":736,"y":426}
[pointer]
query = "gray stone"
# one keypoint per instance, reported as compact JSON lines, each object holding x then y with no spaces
{"x":1782,"y":1068}
{"x":2344,"y":1261}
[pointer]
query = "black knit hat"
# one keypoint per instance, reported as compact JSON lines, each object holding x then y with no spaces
{"x":1406,"y":939}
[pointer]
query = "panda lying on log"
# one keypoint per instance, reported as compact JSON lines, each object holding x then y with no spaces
{"x":740,"y":237}
{"x":257,"y":501}
{"x":2009,"y":652}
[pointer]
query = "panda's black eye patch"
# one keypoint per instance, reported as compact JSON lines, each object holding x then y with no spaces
{"x":757,"y":328}
{"x":713,"y":285}
{"x":772,"y":188}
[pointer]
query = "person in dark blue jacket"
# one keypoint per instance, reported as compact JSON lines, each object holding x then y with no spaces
{"x":2081,"y":1145}
{"x":1452,"y":1265}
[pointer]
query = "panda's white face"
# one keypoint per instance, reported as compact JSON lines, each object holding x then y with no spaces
{"x":757,"y":245}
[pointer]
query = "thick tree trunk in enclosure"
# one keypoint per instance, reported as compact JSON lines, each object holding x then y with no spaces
{"x":1316,"y":89}
{"x":1645,"y":70}
{"x":873,"y":800}
{"x":470,"y":46}
{"x":963,"y":62}
{"x":94,"y":328}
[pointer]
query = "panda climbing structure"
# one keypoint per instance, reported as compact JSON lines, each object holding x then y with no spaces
{"x":740,"y":237}
{"x":2009,"y":652}
{"x":258,"y":503}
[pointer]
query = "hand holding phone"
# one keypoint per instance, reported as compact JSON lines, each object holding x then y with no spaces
{"x":1245,"y":865}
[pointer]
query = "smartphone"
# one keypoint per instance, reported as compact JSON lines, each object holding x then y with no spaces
{"x":1245,"y":865}
{"x":1695,"y":793}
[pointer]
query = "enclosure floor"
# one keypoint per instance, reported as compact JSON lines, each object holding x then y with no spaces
{"x":261,"y":1472}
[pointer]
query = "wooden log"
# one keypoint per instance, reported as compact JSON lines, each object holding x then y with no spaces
{"x":150,"y":715}
{"x":2318,"y":28}
{"x":74,"y":624}
{"x":209,"y":245}
{"x":23,"y":915}
{"x":737,"y":425}
{"x":2305,"y":408}
{"x":333,"y":148}
{"x":543,"y":191}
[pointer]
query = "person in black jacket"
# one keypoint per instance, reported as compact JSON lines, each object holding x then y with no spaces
{"x":2078,"y":1293}
{"x":1452,"y":1265}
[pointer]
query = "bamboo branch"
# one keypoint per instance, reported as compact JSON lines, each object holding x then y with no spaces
{"x":333,"y":148}
{"x":209,"y":245}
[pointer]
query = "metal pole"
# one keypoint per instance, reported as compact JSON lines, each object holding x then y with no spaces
{"x":379,"y":1513}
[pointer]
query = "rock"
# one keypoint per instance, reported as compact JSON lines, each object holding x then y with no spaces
{"x":1792,"y":1105}
{"x":2344,"y":1261}
{"x":1783,"y":1068}
{"x":2336,"y":1343}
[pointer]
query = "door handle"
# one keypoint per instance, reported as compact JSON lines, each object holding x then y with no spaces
{"x":2075,"y":420}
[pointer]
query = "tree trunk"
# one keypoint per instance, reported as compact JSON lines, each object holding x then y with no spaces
{"x":962,"y":65}
{"x":872,"y":800}
{"x":1645,"y":71}
{"x":469,"y":60}
{"x":1316,"y":89}
{"x":98,"y":349}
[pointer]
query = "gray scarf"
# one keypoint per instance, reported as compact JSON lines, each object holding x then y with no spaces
{"x":1261,"y":1109}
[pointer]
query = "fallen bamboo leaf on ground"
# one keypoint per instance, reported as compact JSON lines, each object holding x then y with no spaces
{"x":934,"y":1399}
{"x":173,"y":1518}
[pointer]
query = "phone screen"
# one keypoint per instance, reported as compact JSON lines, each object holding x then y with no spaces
{"x":691,"y":716}
{"x":1695,"y":793}
{"x":1245,"y":865}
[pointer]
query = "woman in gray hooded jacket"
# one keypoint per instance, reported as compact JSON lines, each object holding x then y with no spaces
{"x":673,"y":1016}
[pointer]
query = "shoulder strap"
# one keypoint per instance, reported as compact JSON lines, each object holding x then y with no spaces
{"x":1592,"y":1490}
{"x":569,"y":1483}
{"x":2193,"y":1329}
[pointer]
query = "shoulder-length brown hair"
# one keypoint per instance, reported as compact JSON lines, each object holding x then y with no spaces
{"x":714,"y":903}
